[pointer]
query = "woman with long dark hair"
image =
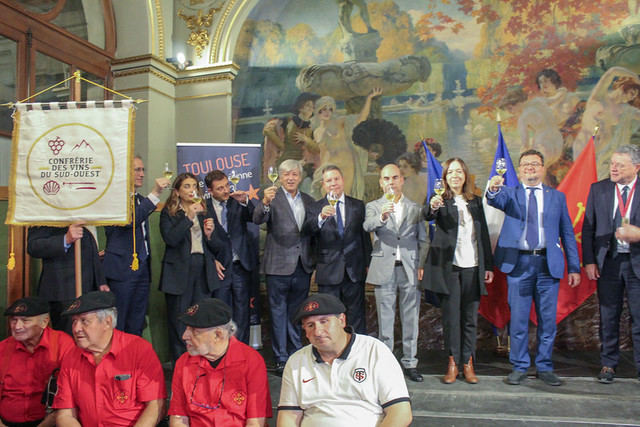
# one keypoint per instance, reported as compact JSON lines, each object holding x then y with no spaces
{"x":458,"y":265}
{"x":189,"y":272}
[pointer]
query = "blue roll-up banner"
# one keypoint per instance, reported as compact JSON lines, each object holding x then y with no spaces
{"x":244,"y":159}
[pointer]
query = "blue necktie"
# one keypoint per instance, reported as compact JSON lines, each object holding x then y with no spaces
{"x":223,"y":215}
{"x":339,"y":219}
{"x":532,"y":219}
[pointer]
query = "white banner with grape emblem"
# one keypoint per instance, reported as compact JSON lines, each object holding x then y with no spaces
{"x":71,"y":162}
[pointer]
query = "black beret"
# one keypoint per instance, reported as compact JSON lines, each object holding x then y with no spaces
{"x":91,"y":301}
{"x":28,"y":306}
{"x":319,"y":304}
{"x":207,"y":313}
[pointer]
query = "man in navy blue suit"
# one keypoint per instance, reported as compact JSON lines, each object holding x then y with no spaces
{"x":529,"y":252}
{"x":231,"y":212}
{"x":343,"y":248}
{"x":614,"y":260}
{"x":132,"y":287}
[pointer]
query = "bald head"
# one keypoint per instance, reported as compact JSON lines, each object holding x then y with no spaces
{"x":390,"y":177}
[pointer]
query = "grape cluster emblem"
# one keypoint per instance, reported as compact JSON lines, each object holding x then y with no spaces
{"x":56,"y":145}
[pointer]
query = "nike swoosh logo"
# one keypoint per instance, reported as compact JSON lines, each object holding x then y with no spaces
{"x":306,"y":381}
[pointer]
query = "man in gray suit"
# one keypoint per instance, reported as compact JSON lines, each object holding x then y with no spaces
{"x":399,"y":251}
{"x":287,"y":261}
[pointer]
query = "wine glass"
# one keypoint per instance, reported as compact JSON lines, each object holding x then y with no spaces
{"x":389,"y":194}
{"x":501,"y":166}
{"x":272,"y":173}
{"x":235,"y":179}
{"x":332,"y":199}
{"x":168,"y":173}
{"x":197,"y":198}
{"x":438,"y":187}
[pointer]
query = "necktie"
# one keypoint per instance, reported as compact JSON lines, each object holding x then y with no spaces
{"x":618,"y":217}
{"x":223,"y":215}
{"x":143,"y":252}
{"x":532,"y":219}
{"x":339,"y":219}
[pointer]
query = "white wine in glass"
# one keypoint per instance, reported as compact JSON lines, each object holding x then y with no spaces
{"x":332,"y":199}
{"x":196,"y":197}
{"x":272,"y":173}
{"x":438,"y":187}
{"x":168,"y":173}
{"x":501,"y":166}
{"x":389,"y":194}
{"x":234,"y":178}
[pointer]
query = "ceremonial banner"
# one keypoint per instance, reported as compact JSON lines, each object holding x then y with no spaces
{"x":71,"y":162}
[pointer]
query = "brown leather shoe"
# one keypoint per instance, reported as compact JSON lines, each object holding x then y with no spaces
{"x":452,"y":372}
{"x":469,"y":374}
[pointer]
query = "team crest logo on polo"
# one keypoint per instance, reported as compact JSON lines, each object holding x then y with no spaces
{"x":121,"y":397}
{"x":20,"y":308}
{"x":359,"y":375}
{"x":310,"y":306}
{"x":193,"y":309}
{"x":239,"y":398}
{"x":74,"y":305}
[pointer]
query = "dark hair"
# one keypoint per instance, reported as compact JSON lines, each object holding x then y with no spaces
{"x":173,"y":201}
{"x":328,"y":168}
{"x":551,"y":75}
{"x":532,"y":152}
{"x":412,"y":160}
{"x":301,"y":100}
{"x":214,"y":175}
{"x":467,"y":188}
{"x":436,"y":147}
{"x":628,"y":84}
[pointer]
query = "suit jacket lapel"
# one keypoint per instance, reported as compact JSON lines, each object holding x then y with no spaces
{"x":608,"y":203}
{"x":285,"y":202}
{"x":522,"y":201}
{"x":635,"y":202}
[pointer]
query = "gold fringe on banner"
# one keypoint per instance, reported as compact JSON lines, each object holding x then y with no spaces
{"x":11,"y":263}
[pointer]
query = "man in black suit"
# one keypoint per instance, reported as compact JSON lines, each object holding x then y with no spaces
{"x":612,"y":203}
{"x":231,"y":212}
{"x":287,"y":261}
{"x":57,"y":280}
{"x":343,"y":248}
{"x":131,"y":288}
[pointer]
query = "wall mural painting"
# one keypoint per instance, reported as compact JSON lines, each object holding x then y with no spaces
{"x":360,"y":83}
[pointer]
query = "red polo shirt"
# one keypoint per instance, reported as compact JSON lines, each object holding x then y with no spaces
{"x":115,"y":391}
{"x":27,"y":377}
{"x":238,"y":385}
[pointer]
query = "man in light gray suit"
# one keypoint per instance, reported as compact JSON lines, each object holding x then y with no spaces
{"x":399,"y":252}
{"x":287,"y":261}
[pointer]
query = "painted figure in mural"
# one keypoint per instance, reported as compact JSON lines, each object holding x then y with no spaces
{"x":345,"y":8}
{"x":332,"y":134}
{"x":560,"y":100}
{"x":291,"y":138}
{"x":613,"y":106}
{"x":415,"y":186}
{"x":536,"y":124}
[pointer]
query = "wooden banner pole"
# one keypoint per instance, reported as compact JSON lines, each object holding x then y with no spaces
{"x":78,"y":257}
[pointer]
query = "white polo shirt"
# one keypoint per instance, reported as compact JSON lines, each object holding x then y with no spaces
{"x":353,"y":391}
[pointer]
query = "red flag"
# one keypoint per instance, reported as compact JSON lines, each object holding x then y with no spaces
{"x":575,"y":186}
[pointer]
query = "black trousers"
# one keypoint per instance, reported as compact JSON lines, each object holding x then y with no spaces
{"x":352,"y":296}
{"x":460,"y":313}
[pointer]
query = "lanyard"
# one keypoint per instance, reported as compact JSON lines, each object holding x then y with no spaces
{"x":624,"y":207}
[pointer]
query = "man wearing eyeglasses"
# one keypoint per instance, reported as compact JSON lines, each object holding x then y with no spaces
{"x":341,"y":378}
{"x":132,"y":287}
{"x":529,"y":252}
{"x":27,"y":360}
{"x":220,"y":381}
{"x":110,"y":377}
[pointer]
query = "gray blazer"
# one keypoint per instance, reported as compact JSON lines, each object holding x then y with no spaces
{"x":407,"y":232}
{"x":285,"y":243}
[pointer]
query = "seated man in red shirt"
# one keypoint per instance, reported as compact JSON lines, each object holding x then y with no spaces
{"x":110,"y":377}
{"x":27,"y":360}
{"x":220,"y":381}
